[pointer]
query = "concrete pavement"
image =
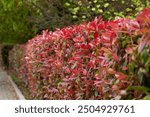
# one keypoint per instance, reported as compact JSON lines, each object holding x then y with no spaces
{"x":8,"y":89}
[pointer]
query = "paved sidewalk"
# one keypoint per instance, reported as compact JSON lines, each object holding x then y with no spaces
{"x":7,"y":89}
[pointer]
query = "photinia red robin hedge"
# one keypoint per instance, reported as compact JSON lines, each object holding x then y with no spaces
{"x":17,"y":62}
{"x":95,"y":60}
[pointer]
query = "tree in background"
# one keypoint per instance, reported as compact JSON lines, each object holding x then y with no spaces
{"x":51,"y":14}
{"x":14,"y":25}
{"x":20,"y":20}
{"x":108,"y":9}
{"x":48,"y":14}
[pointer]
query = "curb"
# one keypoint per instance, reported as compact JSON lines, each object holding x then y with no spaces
{"x":18,"y":92}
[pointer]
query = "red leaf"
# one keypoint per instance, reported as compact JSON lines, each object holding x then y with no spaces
{"x":78,"y":39}
{"x":85,"y":47}
{"x":95,"y":35}
{"x":124,"y":68}
{"x":111,"y":71}
{"x":141,"y":46}
{"x":120,"y":75}
{"x":115,"y":57}
{"x":106,"y":50}
{"x":129,"y":50}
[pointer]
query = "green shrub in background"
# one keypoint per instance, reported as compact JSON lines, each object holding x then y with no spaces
{"x":22,"y":19}
{"x":48,"y":14}
{"x":108,"y":9}
{"x":14,"y":25}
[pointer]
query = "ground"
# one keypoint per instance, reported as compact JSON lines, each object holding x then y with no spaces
{"x":7,"y":91}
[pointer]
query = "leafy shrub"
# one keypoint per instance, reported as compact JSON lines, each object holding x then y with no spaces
{"x":142,"y":55}
{"x":108,"y":9}
{"x":17,"y":62}
{"x":48,"y":14}
{"x":14,"y":15}
{"x":95,"y":60}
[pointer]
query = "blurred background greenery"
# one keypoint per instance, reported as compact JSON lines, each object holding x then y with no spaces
{"x":21,"y":20}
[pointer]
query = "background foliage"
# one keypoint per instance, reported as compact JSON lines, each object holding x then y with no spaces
{"x":108,"y":9}
{"x":22,"y":19}
{"x":14,"y":25}
{"x":48,"y":14}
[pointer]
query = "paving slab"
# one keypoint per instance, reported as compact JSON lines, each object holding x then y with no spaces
{"x":8,"y":89}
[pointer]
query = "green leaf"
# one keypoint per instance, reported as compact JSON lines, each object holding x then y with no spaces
{"x":128,"y":9}
{"x":93,"y":9}
{"x":67,"y":4}
{"x":146,"y":97}
{"x":74,"y":65}
{"x":100,"y":10}
{"x":95,"y":1}
{"x":139,"y":88}
{"x":74,"y":17}
{"x":83,"y":16}
{"x":106,"y":5}
{"x":96,"y":93}
{"x":131,"y":67}
{"x":144,"y":56}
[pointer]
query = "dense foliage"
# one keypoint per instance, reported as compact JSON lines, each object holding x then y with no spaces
{"x":17,"y":62}
{"x":48,"y":14}
{"x":95,"y":60}
{"x":14,"y":25}
{"x":22,"y":19}
{"x":108,"y":9}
